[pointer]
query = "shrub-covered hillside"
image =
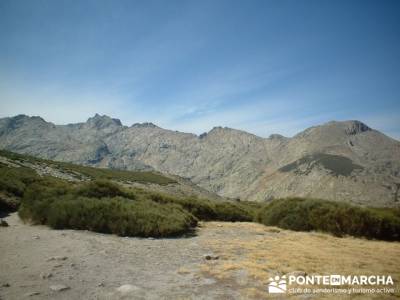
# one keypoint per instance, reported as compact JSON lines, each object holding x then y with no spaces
{"x":103,"y":201}
{"x":100,"y":203}
{"x":333,"y":217}
{"x":90,"y":172}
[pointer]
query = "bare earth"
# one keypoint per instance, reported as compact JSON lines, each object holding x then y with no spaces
{"x":39,"y":263}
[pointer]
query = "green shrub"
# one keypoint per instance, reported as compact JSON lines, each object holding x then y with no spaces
{"x":39,"y":196}
{"x":15,"y":180}
{"x":98,"y":206}
{"x":333,"y":217}
{"x":120,"y":216}
{"x":229,"y":211}
{"x":207,"y":210}
{"x":201,"y":209}
{"x":100,"y":189}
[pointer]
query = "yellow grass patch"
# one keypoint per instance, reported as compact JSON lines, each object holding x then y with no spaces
{"x":261,"y":252}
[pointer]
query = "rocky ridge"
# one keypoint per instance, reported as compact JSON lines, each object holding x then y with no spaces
{"x":342,"y":161}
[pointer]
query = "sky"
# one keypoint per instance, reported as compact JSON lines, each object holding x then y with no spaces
{"x":260,"y":66}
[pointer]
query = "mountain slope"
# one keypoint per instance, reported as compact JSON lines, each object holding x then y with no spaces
{"x":344,"y":161}
{"x":150,"y":181}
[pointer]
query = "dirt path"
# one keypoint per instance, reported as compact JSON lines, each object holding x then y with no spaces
{"x":93,"y":266}
{"x":39,"y":263}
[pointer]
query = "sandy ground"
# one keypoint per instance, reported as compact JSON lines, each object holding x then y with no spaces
{"x":36,"y":262}
{"x":93,"y":266}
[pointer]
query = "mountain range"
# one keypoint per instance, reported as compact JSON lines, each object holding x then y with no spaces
{"x":340,"y":161}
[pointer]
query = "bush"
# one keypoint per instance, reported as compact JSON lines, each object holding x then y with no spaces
{"x":332,"y":217}
{"x":15,"y":180}
{"x":207,"y":210}
{"x":100,"y":189}
{"x":200,"y":208}
{"x":229,"y":211}
{"x":98,"y":206}
{"x":39,"y":196}
{"x":120,"y":216}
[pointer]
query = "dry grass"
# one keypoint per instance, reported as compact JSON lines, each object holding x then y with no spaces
{"x":252,"y":253}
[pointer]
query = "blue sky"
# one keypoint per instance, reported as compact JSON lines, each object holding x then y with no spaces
{"x":260,"y":66}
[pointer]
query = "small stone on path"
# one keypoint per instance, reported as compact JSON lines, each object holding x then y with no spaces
{"x":211,"y":257}
{"x":59,"y":287}
{"x":127,"y":288}
{"x":31,"y":294}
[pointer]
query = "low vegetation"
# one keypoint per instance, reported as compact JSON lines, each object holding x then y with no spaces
{"x":13,"y":182}
{"x":333,"y":217}
{"x":336,"y":164}
{"x":207,"y":210}
{"x":93,"y":173}
{"x":111,"y":174}
{"x":103,"y":205}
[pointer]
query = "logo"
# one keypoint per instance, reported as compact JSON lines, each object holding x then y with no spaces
{"x":277,"y":285}
{"x":330,"y":283}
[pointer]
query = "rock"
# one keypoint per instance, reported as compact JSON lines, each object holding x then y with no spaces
{"x":57,"y":266}
{"x":31,"y":294}
{"x":101,"y":284}
{"x":46,"y":275}
{"x":58,"y":258}
{"x":59,"y":287}
{"x":5,"y":285}
{"x":36,"y":237}
{"x":211,"y":257}
{"x":127,"y":288}
{"x":356,"y":127}
{"x":3,"y":223}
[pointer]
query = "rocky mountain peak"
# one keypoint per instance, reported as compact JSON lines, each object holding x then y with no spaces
{"x":23,"y":117}
{"x":355,"y":127}
{"x":336,"y":129}
{"x":276,"y":136}
{"x":103,"y":121}
{"x":21,"y":120}
{"x":144,"y":125}
{"x":225,"y":130}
